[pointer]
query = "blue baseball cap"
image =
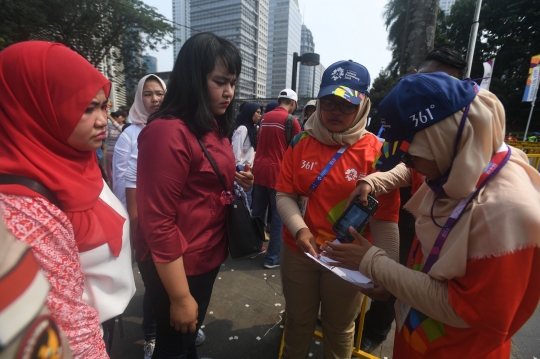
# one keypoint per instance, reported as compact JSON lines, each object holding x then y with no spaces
{"x":346,"y":79}
{"x":415,"y":103}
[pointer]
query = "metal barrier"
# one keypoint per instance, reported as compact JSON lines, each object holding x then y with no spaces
{"x":356,"y":352}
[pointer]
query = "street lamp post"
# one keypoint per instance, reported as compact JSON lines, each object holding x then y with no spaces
{"x":307,"y":59}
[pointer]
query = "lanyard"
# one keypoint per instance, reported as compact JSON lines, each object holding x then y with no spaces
{"x":325,"y":170}
{"x":493,"y":167}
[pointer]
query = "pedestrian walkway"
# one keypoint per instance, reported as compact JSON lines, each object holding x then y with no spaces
{"x":244,"y":319}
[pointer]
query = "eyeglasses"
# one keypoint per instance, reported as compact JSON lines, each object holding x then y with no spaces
{"x":407,"y":159}
{"x":346,"y":108}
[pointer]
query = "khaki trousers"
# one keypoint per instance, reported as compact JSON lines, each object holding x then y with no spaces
{"x":306,"y":285}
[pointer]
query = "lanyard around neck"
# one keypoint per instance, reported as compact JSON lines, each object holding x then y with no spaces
{"x":325,"y":170}
{"x":494,"y":166}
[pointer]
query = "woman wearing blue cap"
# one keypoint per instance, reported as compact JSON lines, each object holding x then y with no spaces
{"x":473,"y":275}
{"x":335,"y":142}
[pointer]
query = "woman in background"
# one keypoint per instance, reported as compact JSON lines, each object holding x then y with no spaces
{"x":244,"y":139}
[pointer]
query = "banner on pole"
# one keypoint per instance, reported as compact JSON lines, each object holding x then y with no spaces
{"x":488,"y":71}
{"x":532,"y":80}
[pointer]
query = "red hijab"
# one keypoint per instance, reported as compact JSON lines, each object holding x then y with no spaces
{"x":45,"y":89}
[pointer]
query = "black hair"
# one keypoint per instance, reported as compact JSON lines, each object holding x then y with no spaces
{"x":124,"y":108}
{"x":187,"y":95}
{"x":447,"y":57}
{"x":121,"y":113}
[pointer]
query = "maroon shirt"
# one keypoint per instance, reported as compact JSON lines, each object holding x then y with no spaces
{"x":271,"y":146}
{"x":178,"y":196}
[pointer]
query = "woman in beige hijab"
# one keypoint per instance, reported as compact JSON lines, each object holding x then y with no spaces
{"x":473,"y":277}
{"x":335,"y":138}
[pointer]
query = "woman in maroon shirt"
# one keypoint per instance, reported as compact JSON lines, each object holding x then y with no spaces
{"x":182,"y":239}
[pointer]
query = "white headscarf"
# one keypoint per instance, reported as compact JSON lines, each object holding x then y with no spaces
{"x":138,"y":114}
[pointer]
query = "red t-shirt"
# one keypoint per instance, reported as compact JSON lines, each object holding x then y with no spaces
{"x":305,"y":160}
{"x":271,"y":145}
{"x":178,"y":196}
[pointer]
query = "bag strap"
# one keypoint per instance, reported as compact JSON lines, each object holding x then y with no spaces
{"x":31,"y":184}
{"x":288,"y":128}
{"x":216,"y":170}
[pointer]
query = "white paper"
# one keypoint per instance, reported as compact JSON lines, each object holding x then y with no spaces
{"x":352,"y":276}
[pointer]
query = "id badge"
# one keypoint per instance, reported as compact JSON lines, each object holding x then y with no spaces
{"x":302,"y":204}
{"x":402,"y":311}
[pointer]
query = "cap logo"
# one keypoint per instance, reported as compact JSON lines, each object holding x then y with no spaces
{"x":422,"y":116}
{"x":351,"y":75}
{"x":337,"y":74}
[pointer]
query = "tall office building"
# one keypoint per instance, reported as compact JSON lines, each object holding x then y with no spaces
{"x":284,"y":35}
{"x":306,"y":73}
{"x":245,"y":23}
{"x":317,"y":78}
{"x":114,"y":71}
{"x":181,"y":16}
{"x":446,"y":5}
{"x":150,"y":64}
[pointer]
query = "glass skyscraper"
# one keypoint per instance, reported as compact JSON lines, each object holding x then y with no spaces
{"x":245,"y":23}
{"x":306,"y":74}
{"x":446,"y":5}
{"x":284,"y":35}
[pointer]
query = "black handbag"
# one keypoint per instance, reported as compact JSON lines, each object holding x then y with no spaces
{"x":244,"y":233}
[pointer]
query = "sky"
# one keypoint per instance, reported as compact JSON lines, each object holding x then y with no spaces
{"x":342,"y":30}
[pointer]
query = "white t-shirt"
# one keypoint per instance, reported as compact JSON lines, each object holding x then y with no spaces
{"x":125,"y":162}
{"x":242,"y":148}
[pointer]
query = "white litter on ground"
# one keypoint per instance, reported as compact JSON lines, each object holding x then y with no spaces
{"x":273,"y":275}
{"x":235,"y":337}
{"x":317,"y":342}
{"x":278,"y":304}
{"x":202,"y":326}
{"x":281,"y":326}
{"x":211,"y":313}
{"x":231,"y":338}
{"x":232,"y":270}
{"x":219,"y":278}
{"x":223,"y":265}
{"x":310,"y":354}
{"x":247,"y":305}
{"x":258,"y":338}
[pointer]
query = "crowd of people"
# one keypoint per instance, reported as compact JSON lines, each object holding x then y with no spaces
{"x":459,"y":276}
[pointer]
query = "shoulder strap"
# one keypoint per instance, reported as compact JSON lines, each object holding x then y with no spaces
{"x":31,"y":184}
{"x":216,"y":170}
{"x":288,"y":128}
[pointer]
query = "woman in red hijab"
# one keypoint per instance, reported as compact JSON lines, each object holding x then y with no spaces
{"x":52,"y":196}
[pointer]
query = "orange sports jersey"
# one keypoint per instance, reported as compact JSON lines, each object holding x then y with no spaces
{"x":493,"y":297}
{"x":304,"y":161}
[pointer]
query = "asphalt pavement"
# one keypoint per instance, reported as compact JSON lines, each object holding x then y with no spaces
{"x":244,"y":319}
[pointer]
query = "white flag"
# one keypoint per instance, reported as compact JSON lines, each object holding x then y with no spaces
{"x":488,"y":70}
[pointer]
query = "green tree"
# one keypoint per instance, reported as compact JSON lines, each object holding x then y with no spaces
{"x":508,"y":32}
{"x":92,"y":28}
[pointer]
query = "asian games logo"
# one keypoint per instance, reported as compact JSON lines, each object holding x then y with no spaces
{"x":337,"y":74}
{"x":351,"y":174}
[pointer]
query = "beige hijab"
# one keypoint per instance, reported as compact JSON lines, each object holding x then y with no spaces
{"x":316,"y":128}
{"x":504,"y":217}
{"x":137,"y":113}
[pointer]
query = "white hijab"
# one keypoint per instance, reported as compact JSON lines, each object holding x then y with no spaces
{"x":138,"y":114}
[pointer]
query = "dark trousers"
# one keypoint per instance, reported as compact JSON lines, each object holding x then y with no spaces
{"x":149,"y":320}
{"x":378,"y":321}
{"x":170,"y":343}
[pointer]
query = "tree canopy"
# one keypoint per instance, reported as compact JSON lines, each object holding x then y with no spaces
{"x":92,"y":28}
{"x":508,"y":32}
